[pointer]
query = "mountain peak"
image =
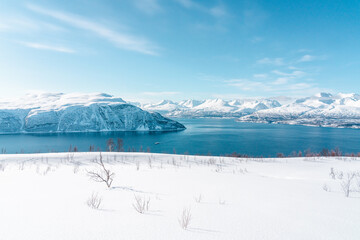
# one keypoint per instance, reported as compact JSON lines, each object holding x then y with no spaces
{"x":323,"y":94}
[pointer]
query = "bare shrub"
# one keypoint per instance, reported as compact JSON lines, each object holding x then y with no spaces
{"x":141,"y":204}
{"x":94,"y":201}
{"x":198,"y":198}
{"x":150,"y":162}
{"x":2,"y":167}
{"x":47,"y":170}
{"x":76,"y":168}
{"x":22,"y":166}
{"x":211,"y":161}
{"x":102,"y":175}
{"x":120,"y":145}
{"x":110,"y":144}
{"x":332,"y":173}
{"x":326,"y":188}
{"x":185,"y":218}
{"x":346,"y":183}
{"x":340,"y":175}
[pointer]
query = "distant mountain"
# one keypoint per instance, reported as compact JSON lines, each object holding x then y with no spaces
{"x":210,"y":107}
{"x":323,"y":109}
{"x":78,"y":113}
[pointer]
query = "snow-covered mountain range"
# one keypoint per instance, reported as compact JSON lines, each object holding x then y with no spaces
{"x":323,"y":109}
{"x":210,"y":107}
{"x":74,"y":112}
{"x":78,"y":113}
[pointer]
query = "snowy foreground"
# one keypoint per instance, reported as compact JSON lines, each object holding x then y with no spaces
{"x":46,"y":196}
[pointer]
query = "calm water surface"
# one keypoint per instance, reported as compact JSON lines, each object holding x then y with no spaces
{"x":202,"y":136}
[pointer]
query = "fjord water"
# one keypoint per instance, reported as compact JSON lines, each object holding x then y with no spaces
{"x":202,"y":136}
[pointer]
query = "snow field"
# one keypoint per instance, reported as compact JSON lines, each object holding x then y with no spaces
{"x":44,"y":196}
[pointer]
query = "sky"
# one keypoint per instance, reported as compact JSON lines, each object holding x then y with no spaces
{"x":148,"y":50}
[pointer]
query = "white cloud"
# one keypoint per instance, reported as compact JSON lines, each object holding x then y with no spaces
{"x":279,"y":86}
{"x":260,"y":75}
{"x":21,"y":24}
{"x":121,"y":40}
{"x":47,"y":47}
{"x":300,"y":86}
{"x":148,"y":6}
{"x":247,"y":85}
{"x":281,"y":81}
{"x":294,"y":74}
{"x":310,"y":58}
{"x":307,"y":58}
{"x":3,"y":27}
{"x":257,"y":39}
{"x":188,"y":3}
{"x":157,"y":94}
{"x":271,"y":61}
{"x":216,"y":11}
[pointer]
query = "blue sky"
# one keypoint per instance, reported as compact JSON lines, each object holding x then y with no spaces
{"x":178,"y":49}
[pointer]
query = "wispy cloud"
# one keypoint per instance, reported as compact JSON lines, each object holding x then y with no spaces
{"x":271,"y":61}
{"x":310,"y":58}
{"x":47,"y":47}
{"x":279,"y":86}
{"x":121,"y":40}
{"x":257,"y":39}
{"x":296,"y":73}
{"x":3,"y":27}
{"x":260,"y":75}
{"x":307,"y":58}
{"x":281,"y":81}
{"x":216,"y":11}
{"x":21,"y":24}
{"x":156,"y":94}
{"x":148,"y":6}
{"x":247,"y":85}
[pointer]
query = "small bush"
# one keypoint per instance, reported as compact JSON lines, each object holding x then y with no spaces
{"x":103,"y":175}
{"x":141,"y":204}
{"x":198,"y":198}
{"x":326,"y":188}
{"x":94,"y":201}
{"x":185,"y":218}
{"x":347,"y":182}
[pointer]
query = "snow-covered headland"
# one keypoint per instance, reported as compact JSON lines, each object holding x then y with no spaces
{"x":52,"y":196}
{"x":77,"y":112}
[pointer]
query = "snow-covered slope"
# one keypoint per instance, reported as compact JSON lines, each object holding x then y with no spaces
{"x":162,"y":107}
{"x":78,"y":113}
{"x":323,"y":109}
{"x":210,"y":107}
{"x":49,"y":196}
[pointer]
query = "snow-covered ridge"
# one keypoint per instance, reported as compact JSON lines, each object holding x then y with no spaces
{"x":78,"y":112}
{"x":323,"y":109}
{"x":210,"y":107}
